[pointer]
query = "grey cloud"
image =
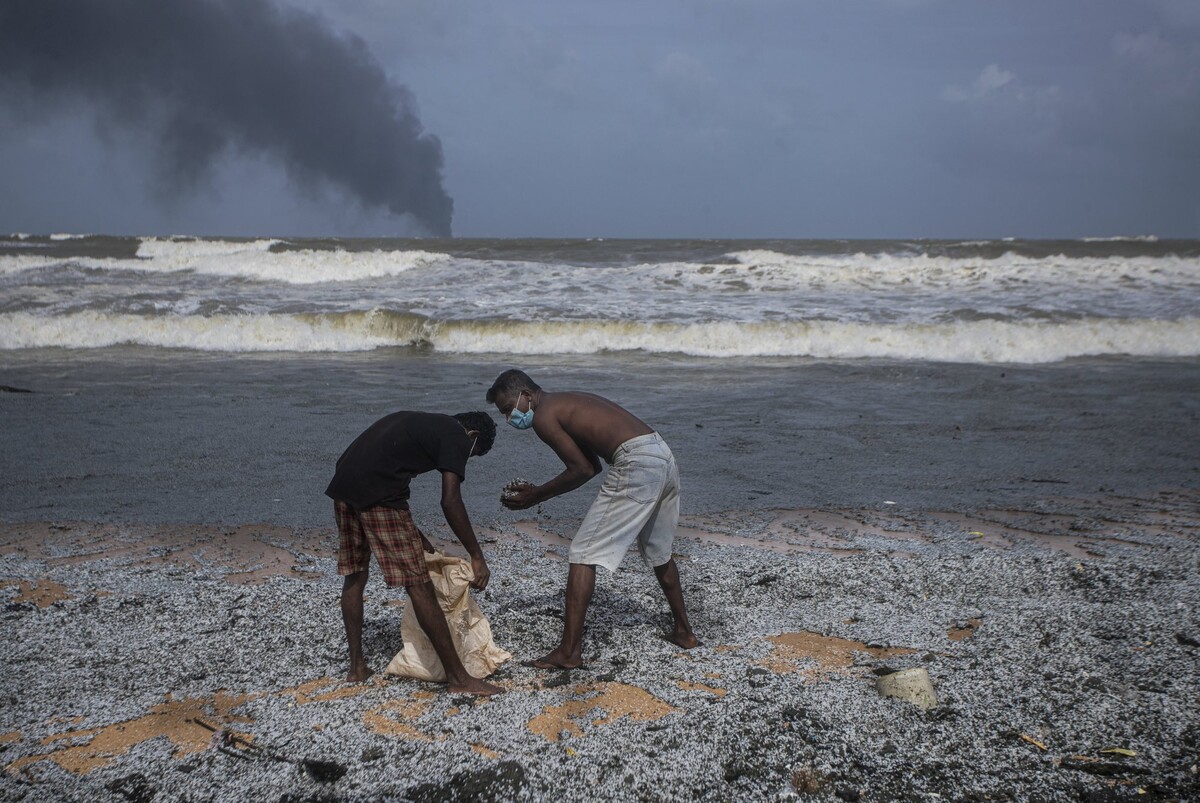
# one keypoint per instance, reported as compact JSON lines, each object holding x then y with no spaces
{"x":1172,"y":67}
{"x":991,"y":80}
{"x":1185,"y":13}
{"x":208,"y":76}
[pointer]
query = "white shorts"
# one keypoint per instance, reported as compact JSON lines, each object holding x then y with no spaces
{"x":639,"y":502}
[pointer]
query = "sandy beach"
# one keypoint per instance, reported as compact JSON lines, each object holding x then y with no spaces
{"x":1027,"y":536}
{"x":168,"y":662}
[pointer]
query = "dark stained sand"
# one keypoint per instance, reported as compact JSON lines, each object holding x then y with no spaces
{"x":204,"y":662}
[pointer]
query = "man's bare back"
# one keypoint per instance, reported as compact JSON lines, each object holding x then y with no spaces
{"x":596,"y":424}
{"x":581,"y":428}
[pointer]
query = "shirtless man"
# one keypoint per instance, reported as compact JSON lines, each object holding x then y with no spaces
{"x":639,"y":501}
{"x":370,"y":489}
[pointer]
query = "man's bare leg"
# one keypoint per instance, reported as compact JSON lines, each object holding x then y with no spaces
{"x":581,"y":582}
{"x":352,"y":618}
{"x":668,"y":578}
{"x":433,"y":622}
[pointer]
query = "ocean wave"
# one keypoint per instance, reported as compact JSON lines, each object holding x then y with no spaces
{"x":877,"y":275}
{"x":58,"y":237}
{"x":218,"y":333}
{"x":962,"y":341}
{"x":770,"y":269}
{"x":251,"y":260}
{"x":172,"y":249}
{"x":22,"y":262}
{"x":255,"y":260}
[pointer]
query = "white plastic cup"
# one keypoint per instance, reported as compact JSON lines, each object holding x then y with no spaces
{"x":910,"y":685}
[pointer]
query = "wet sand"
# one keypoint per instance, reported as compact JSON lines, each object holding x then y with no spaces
{"x":1063,"y":638}
{"x":145,"y":436}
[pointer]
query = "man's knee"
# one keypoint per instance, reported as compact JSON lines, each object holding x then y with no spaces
{"x":582,"y":571}
{"x":356,"y":581}
{"x":421,"y":590}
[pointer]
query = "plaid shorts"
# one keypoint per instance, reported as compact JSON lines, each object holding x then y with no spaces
{"x":387,"y":532}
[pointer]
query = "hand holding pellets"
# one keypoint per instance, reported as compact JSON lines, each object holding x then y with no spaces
{"x":517,"y":494}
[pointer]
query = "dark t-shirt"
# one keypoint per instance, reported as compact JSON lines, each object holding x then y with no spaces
{"x":377,"y":467}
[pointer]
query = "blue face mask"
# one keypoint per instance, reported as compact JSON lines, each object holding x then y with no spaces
{"x":521,"y":420}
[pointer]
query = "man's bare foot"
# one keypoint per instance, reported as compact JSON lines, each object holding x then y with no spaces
{"x":474,"y":686}
{"x":682,"y":638}
{"x":359,"y":673}
{"x":556,"y":660}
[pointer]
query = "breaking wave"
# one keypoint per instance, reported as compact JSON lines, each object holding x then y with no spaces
{"x":252,"y":260}
{"x":976,"y":341}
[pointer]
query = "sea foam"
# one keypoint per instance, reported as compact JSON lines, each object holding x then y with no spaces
{"x":1010,"y":271}
{"x":985,"y":341}
{"x":251,"y":260}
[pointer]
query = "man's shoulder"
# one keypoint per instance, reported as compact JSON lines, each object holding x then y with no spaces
{"x":413,"y":424}
{"x":433,"y":418}
{"x":418,"y":417}
{"x":578,"y":398}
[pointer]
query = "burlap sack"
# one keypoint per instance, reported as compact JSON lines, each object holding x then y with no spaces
{"x":468,"y":627}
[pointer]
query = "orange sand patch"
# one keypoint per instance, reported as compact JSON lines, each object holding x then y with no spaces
{"x":967,"y":630}
{"x":485,"y":752}
{"x":1167,"y":514}
{"x":189,"y":724}
{"x":532,"y":530}
{"x":835,"y":532}
{"x":175,"y":720}
{"x":790,"y":523}
{"x":525,"y":530}
{"x":393,"y":718}
{"x":998,"y":535}
{"x":311,"y":691}
{"x":686,"y":686}
{"x":615,"y":700}
{"x":832,"y":655}
{"x":42,"y":593}
{"x":244,"y":550}
{"x":794,"y":531}
{"x":699,"y":533}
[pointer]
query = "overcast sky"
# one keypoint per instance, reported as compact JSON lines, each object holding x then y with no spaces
{"x":691,"y":118}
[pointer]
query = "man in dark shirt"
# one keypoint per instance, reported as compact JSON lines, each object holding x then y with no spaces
{"x":370,"y":490}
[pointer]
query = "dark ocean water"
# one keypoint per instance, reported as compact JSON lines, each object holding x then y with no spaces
{"x":144,"y":434}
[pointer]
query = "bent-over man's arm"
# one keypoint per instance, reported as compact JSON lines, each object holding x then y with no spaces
{"x":456,"y":516}
{"x":580,"y":464}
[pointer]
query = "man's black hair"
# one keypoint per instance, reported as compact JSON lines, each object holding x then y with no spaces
{"x":483,"y":424}
{"x":511,"y":382}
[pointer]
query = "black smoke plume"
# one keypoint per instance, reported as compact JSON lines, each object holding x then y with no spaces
{"x":207,"y":75}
